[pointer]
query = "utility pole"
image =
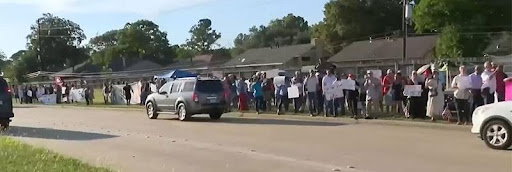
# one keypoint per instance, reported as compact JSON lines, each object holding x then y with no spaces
{"x":39,"y":56}
{"x":404,"y":29}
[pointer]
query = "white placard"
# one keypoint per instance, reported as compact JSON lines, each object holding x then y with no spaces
{"x":279,"y":80}
{"x":376,"y":73}
{"x":413,"y":90}
{"x":348,"y":84}
{"x":338,"y":89}
{"x":49,"y":99}
{"x":293,"y":92}
{"x":218,"y":74}
{"x":464,"y":82}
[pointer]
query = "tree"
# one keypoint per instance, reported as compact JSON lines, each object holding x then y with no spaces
{"x":183,"y":52}
{"x":346,"y":21}
{"x":289,"y":30}
{"x":142,"y":39}
{"x":464,"y":23}
{"x":56,"y":40}
{"x":203,"y":37}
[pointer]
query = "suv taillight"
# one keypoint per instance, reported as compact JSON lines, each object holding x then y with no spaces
{"x":195,"y":97}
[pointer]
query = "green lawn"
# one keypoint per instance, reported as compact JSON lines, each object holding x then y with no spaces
{"x":16,"y":156}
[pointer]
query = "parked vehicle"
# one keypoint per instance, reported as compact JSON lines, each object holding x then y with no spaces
{"x":493,"y":124}
{"x":6,"y":112}
{"x":187,"y":97}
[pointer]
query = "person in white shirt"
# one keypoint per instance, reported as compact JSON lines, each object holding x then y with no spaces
{"x":461,"y":97}
{"x":327,"y":86}
{"x":373,"y":93}
{"x":310,"y":88}
{"x":489,"y":83}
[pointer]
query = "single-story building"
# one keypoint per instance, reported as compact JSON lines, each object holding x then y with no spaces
{"x":385,"y":54}
{"x":287,"y":58}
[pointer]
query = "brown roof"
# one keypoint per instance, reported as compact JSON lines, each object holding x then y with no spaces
{"x":200,"y":61}
{"x":417,"y":47}
{"x":262,"y":56}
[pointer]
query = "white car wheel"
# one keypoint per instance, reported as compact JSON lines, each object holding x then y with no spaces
{"x":497,"y":135}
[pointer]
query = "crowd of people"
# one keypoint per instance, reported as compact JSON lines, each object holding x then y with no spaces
{"x":372,"y":97}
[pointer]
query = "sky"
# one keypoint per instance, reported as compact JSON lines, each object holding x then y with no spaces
{"x":176,"y":17}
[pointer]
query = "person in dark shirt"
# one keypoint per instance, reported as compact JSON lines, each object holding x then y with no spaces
{"x":128,"y":93}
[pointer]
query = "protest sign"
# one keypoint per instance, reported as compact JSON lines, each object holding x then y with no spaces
{"x":49,"y":99}
{"x":293,"y":92}
{"x":348,"y":84}
{"x":508,"y":91}
{"x":338,"y":89}
{"x":279,"y":80}
{"x":413,"y":90}
{"x":376,"y":73}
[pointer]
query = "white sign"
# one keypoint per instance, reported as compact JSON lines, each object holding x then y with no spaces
{"x":338,"y":89}
{"x":464,"y":82}
{"x":279,"y":80}
{"x":376,"y":73}
{"x":49,"y":99}
{"x":273,"y":73}
{"x":293,"y":92}
{"x":348,"y":84}
{"x":413,"y":90}
{"x":217,"y":74}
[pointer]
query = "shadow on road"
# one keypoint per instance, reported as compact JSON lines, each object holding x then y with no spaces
{"x":260,"y":121}
{"x":54,"y":134}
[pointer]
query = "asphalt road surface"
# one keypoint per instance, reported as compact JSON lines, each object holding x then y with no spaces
{"x":126,"y":140}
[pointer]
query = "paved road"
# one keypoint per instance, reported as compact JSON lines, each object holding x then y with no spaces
{"x":128,"y":141}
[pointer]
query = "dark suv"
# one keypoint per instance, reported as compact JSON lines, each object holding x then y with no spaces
{"x":6,"y":112}
{"x":187,"y":97}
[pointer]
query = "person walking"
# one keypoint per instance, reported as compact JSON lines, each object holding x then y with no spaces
{"x":128,"y":91}
{"x":107,"y":90}
{"x":241,"y":91}
{"x":435,"y":102}
{"x":373,"y":95}
{"x":310,"y":89}
{"x":476,"y":88}
{"x":268,"y":91}
{"x":461,"y":97}
{"x":328,"y":92}
{"x":489,"y":83}
{"x":282,"y":97}
{"x":257,"y":91}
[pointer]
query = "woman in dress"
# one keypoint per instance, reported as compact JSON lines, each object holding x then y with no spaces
{"x":435,"y":96}
{"x":398,"y":93}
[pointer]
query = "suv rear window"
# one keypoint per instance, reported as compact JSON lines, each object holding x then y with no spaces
{"x":209,"y":86}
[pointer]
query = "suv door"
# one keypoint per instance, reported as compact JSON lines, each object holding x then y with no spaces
{"x":174,"y":94}
{"x":162,"y":97}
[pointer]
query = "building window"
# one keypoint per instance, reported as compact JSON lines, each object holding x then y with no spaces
{"x":306,"y":59}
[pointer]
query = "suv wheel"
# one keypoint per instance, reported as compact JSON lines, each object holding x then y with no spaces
{"x":182,"y":112}
{"x":4,"y":124}
{"x":215,"y":115}
{"x":151,"y":110}
{"x":496,"y":134}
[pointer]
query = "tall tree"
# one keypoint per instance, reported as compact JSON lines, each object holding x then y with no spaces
{"x":464,"y":24}
{"x":203,"y":37}
{"x":142,"y":39}
{"x":351,"y":20}
{"x":288,"y":30}
{"x":56,"y":40}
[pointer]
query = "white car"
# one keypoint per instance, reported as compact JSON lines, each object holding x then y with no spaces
{"x":493,"y":124}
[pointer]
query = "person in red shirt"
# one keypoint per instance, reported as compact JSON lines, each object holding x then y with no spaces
{"x":387,"y":83}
